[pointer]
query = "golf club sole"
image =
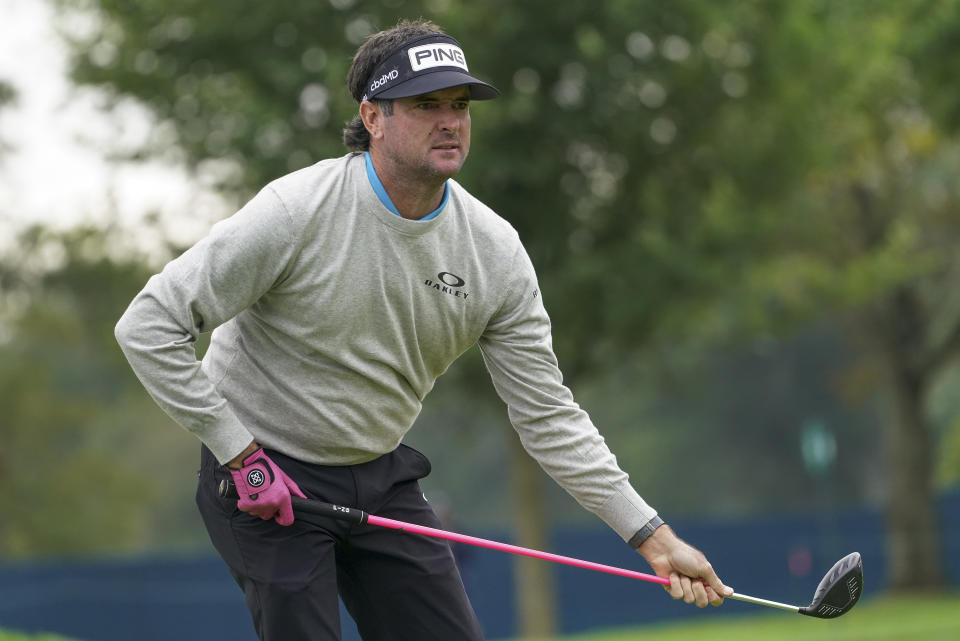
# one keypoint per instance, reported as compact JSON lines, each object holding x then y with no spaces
{"x":838,"y":592}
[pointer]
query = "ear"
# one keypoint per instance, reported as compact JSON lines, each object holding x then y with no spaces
{"x":372,"y":118}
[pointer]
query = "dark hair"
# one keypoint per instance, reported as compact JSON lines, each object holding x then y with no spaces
{"x":375,"y":49}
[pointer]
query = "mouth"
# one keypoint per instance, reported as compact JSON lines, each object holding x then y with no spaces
{"x":447,"y":146}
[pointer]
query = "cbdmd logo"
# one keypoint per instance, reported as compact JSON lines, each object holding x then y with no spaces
{"x":436,"y":55}
{"x":448,"y":283}
{"x":384,"y":79}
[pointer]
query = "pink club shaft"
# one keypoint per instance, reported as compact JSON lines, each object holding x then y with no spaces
{"x":228,"y":490}
{"x":513,"y":549}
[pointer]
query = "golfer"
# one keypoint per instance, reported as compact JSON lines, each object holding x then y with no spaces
{"x":336,"y":297}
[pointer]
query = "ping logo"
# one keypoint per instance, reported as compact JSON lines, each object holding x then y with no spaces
{"x":436,"y":55}
{"x":255,"y":478}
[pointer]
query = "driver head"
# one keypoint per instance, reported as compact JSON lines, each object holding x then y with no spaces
{"x":839,"y":590}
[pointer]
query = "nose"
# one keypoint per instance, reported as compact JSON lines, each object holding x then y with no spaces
{"x":449,"y":119}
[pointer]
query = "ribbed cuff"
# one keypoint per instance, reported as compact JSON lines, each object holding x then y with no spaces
{"x":225,"y":435}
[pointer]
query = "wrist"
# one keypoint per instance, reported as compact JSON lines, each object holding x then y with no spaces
{"x":659,"y":546}
{"x":237,"y":462}
{"x":644,"y":533}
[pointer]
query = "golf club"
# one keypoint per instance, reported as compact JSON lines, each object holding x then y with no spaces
{"x":838,"y":592}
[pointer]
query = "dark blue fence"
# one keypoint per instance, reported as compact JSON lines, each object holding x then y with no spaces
{"x":780,"y":558}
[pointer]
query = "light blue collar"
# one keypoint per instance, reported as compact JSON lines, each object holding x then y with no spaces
{"x":385,"y":197}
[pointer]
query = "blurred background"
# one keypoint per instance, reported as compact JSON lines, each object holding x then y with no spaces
{"x":744,"y":215}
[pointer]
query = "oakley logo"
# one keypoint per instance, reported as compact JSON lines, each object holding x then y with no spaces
{"x":435,"y":55}
{"x":448,"y":283}
{"x":450,"y":279}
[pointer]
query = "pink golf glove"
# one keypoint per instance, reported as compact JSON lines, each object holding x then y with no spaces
{"x":264,"y":489}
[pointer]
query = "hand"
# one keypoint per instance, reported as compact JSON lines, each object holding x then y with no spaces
{"x":264,"y":489}
{"x":691,"y":576}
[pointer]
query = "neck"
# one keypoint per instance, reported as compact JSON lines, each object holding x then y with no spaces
{"x":414,"y":194}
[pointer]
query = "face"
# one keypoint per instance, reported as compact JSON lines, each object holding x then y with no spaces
{"x":427,"y":136}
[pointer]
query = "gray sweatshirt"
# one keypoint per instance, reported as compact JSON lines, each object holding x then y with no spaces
{"x":332,"y":318}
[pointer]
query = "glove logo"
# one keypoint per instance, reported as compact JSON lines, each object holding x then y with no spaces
{"x":255,"y":478}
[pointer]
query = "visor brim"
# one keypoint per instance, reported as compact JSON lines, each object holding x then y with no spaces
{"x":430,"y":82}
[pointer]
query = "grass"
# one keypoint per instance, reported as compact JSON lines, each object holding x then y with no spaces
{"x":925,"y":618}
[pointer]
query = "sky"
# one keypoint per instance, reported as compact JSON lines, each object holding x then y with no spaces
{"x":56,"y":169}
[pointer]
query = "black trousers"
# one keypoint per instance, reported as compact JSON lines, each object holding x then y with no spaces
{"x":396,"y":586}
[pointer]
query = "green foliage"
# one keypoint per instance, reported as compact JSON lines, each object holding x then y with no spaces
{"x":930,"y":42}
{"x":945,"y":410}
{"x":16,"y":636}
{"x":7,"y":96}
{"x":686,"y":175}
{"x":684,"y":169}
{"x":948,"y":472}
{"x":82,"y":442}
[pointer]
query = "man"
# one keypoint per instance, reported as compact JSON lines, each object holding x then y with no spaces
{"x":337,"y":296}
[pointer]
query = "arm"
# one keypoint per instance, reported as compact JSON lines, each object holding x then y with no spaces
{"x":517,"y":349}
{"x":237,"y":462}
{"x":213,"y":281}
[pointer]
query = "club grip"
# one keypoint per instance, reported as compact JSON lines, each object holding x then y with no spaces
{"x":228,"y":490}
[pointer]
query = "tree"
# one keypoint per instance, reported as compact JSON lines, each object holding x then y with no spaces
{"x":851,"y":215}
{"x":79,"y":434}
{"x":7,"y":96}
{"x":878,"y":245}
{"x":246,"y":94}
{"x":697,"y":174}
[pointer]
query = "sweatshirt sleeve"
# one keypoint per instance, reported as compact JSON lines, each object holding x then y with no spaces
{"x":517,"y":349}
{"x":242,"y":257}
